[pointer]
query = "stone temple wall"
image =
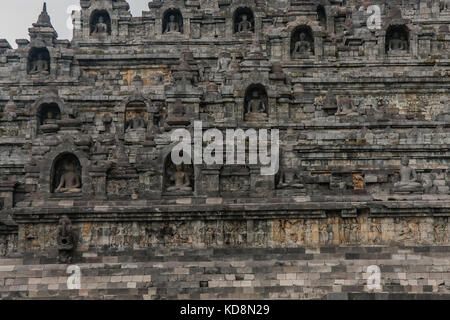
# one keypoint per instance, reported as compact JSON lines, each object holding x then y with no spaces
{"x":361,"y":102}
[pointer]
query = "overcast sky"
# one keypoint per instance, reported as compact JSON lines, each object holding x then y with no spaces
{"x":16,"y":16}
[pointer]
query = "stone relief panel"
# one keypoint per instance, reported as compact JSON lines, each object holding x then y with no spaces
{"x":330,"y":231}
{"x":8,"y":244}
{"x":234,"y":180}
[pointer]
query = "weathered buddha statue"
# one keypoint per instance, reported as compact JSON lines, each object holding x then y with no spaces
{"x":70,"y":181}
{"x":398,"y":42}
{"x":172,"y":25}
{"x":180,"y":180}
{"x":135,"y":123}
{"x":39,"y":65}
{"x":346,"y":106}
{"x":101,"y":27}
{"x":256,"y":104}
{"x":408,"y":179}
{"x":223,"y":63}
{"x":302,"y":47}
{"x":50,"y":118}
{"x":244,"y":25}
{"x":289,"y":179}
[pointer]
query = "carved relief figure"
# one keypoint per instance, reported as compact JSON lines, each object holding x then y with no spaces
{"x":408,"y":179}
{"x":70,"y":181}
{"x":65,"y":240}
{"x":358,"y":181}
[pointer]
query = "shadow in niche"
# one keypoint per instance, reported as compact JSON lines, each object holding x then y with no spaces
{"x":321,"y":16}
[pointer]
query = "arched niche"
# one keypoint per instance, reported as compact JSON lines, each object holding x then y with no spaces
{"x":397,"y":39}
{"x":136,"y":115}
{"x":243,"y":20}
{"x":38,"y":61}
{"x":302,"y":42}
{"x":66,"y":174}
{"x":256,"y":101}
{"x":178,"y":178}
{"x":172,"y":22}
{"x":100,"y":23}
{"x":321,"y":16}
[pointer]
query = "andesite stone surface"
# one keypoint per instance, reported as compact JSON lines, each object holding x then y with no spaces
{"x":364,"y":179}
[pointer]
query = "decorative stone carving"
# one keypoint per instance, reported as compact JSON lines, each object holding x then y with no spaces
{"x":178,"y":115}
{"x":408,"y":179}
{"x":358,"y":181}
{"x":68,"y":175}
{"x":65,"y":240}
